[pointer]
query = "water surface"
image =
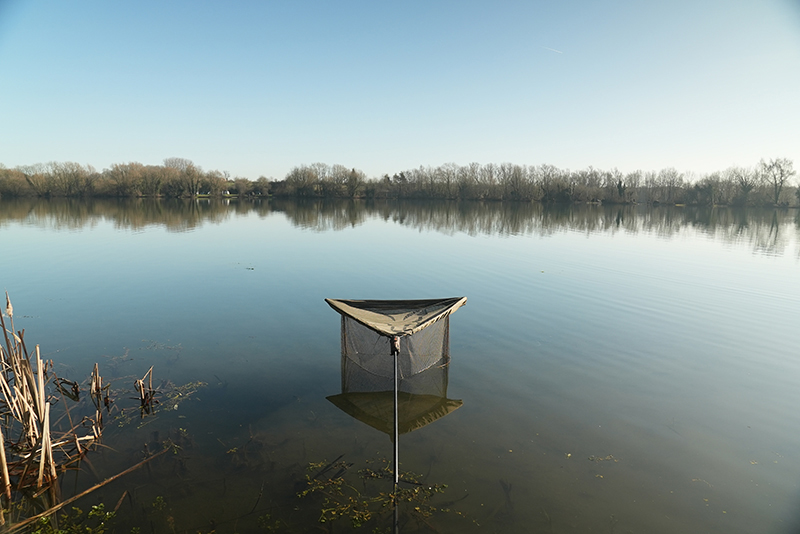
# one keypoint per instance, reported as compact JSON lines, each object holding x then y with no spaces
{"x":622,"y":369}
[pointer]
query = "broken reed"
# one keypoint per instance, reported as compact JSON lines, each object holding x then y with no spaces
{"x":147,"y":395}
{"x":33,"y":453}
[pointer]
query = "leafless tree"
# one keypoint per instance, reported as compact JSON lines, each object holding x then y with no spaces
{"x":180,"y":164}
{"x":190,"y":177}
{"x":214,"y":183}
{"x":70,"y":179}
{"x":355,"y":181}
{"x":745,"y":179}
{"x":302,"y":181}
{"x":672,"y":181}
{"x":152,"y":178}
{"x":38,"y":178}
{"x":12,"y":182}
{"x":126,"y":177}
{"x":243,"y":186}
{"x":776,"y":173}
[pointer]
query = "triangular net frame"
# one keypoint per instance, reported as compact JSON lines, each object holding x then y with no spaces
{"x":395,"y":362}
{"x":422,"y":328}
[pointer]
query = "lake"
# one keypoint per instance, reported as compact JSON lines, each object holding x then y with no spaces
{"x":622,"y":369}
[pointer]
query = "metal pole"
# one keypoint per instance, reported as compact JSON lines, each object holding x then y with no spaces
{"x":396,"y":354}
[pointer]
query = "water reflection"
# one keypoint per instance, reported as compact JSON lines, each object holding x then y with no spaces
{"x":176,"y":215}
{"x":376,"y":409}
{"x":767,"y":230}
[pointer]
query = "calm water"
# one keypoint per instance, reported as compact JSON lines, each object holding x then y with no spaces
{"x":622,"y":369}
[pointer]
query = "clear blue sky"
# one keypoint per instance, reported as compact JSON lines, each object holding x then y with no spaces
{"x":256,"y":88}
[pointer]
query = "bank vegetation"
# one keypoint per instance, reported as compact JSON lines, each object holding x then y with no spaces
{"x":768,"y":183}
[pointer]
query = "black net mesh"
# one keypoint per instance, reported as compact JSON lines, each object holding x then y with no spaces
{"x":368,"y":364}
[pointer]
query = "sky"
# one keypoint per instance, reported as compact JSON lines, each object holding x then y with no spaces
{"x":256,"y":88}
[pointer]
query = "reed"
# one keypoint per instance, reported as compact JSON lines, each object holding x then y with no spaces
{"x":35,"y":449}
{"x":147,"y":395}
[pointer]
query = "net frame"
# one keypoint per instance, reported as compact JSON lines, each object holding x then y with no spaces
{"x":413,"y":336}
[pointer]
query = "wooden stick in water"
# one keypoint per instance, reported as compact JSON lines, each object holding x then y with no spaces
{"x":56,"y":508}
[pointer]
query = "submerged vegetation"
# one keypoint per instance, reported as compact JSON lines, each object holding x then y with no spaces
{"x":767,"y":183}
{"x":368,"y":499}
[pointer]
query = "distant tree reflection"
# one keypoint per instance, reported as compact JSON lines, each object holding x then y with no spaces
{"x":767,"y":230}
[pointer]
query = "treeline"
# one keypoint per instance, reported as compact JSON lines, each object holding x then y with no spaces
{"x":766,"y":184}
{"x":176,"y":178}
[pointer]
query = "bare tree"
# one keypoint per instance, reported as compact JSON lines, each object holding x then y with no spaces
{"x":448,"y":173}
{"x":214,"y":183}
{"x":355,"y":181}
{"x":190,"y":176}
{"x":38,"y":178}
{"x":775,"y":174}
{"x":262,"y":186}
{"x":302,"y":181}
{"x":633,"y":182}
{"x":180,"y":164}
{"x":152,"y":178}
{"x":126,"y":178}
{"x":12,"y":182}
{"x":243,"y":186}
{"x":338,"y":179}
{"x":69,"y":179}
{"x":672,"y":181}
{"x":745,"y":179}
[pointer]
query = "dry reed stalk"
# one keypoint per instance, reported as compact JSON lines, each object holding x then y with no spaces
{"x":72,"y":439}
{"x":49,"y":450}
{"x":11,"y":400}
{"x":35,"y":448}
{"x":10,"y":313}
{"x":96,"y":392}
{"x":40,"y":365}
{"x":96,"y":387}
{"x":146,"y":394}
{"x":6,"y":478}
{"x":42,"y":454}
{"x":28,"y":419}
